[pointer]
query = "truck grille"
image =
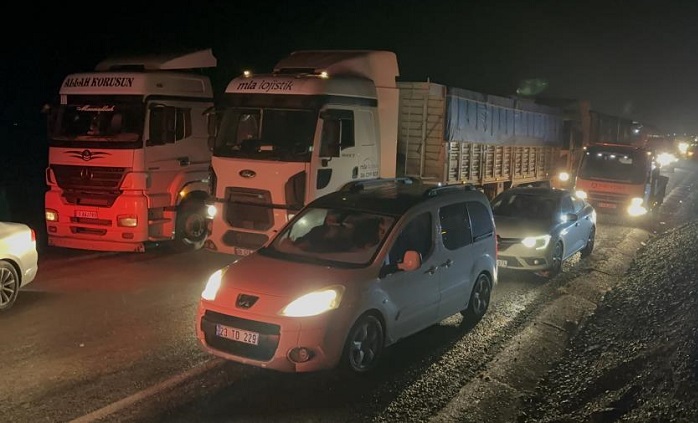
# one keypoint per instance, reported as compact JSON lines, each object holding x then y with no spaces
{"x":89,"y":185}
{"x":250,"y":209}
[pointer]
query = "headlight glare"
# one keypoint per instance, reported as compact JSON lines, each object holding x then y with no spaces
{"x":581,"y":194}
{"x":212,"y":286}
{"x":537,"y":242}
{"x":315,"y":303}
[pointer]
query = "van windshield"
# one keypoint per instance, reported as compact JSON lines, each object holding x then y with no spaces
{"x":333,"y":235}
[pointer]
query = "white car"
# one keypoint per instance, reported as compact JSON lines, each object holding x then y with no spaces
{"x":539,"y":228}
{"x":354,"y":272}
{"x":18,"y":260}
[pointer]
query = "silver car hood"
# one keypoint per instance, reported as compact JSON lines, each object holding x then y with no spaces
{"x":515,"y":227}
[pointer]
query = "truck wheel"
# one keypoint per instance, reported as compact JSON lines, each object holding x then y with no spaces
{"x":9,"y":285}
{"x":190,"y":230}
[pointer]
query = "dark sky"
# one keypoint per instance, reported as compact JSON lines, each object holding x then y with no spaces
{"x":637,"y":59}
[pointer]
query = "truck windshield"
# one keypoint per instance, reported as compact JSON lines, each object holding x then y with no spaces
{"x":266,"y":134}
{"x":617,"y":166}
{"x":97,"y":124}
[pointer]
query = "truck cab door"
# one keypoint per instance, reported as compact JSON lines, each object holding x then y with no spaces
{"x":175,"y":145}
{"x":338,"y":160}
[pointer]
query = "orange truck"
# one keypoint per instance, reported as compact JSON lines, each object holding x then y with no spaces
{"x":620,"y":179}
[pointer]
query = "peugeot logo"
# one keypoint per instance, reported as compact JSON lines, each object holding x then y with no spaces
{"x":86,"y":174}
{"x":247,"y":173}
{"x":86,"y":155}
{"x":246,"y":301}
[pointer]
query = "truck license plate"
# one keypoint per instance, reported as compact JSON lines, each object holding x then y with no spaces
{"x":242,"y":252}
{"x":607,"y":205}
{"x":86,"y":213}
{"x":239,"y":335}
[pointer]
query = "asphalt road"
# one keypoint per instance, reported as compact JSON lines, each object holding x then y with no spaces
{"x":111,"y":337}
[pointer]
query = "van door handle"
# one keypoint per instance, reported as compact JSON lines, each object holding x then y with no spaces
{"x":432,"y":270}
{"x":184,"y":161}
{"x":447,"y":263}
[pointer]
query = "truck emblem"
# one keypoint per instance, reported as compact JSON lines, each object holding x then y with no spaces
{"x":86,"y":155}
{"x":247,"y":173}
{"x":86,"y":174}
{"x":246,"y":301}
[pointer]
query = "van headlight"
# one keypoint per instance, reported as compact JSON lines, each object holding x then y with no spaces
{"x":213,"y":285}
{"x":315,"y":303}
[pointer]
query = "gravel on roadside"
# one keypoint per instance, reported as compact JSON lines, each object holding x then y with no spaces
{"x":635,"y":359}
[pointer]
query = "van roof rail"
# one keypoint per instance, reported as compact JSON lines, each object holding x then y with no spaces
{"x":356,"y":186}
{"x":441,"y":189}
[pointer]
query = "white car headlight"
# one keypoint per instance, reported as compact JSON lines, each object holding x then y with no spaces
{"x":537,"y":242}
{"x":212,"y":286}
{"x":315,"y":303}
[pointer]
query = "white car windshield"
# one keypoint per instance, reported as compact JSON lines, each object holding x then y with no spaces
{"x":344,"y":236}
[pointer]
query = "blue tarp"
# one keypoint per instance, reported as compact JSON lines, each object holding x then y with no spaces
{"x":475,"y":117}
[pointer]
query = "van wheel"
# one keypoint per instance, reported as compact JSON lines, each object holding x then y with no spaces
{"x":364,"y":345}
{"x":9,"y":285}
{"x":190,"y":229}
{"x":479,"y":300}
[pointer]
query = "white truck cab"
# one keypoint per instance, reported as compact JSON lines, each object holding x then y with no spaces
{"x":320,"y":120}
{"x":128,"y":154}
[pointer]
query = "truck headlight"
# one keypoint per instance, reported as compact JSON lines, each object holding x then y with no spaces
{"x":636,"y":207}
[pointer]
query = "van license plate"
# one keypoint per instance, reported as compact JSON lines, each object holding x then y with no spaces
{"x":238,"y":335}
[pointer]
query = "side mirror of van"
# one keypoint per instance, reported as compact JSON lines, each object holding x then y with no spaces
{"x":412,"y":260}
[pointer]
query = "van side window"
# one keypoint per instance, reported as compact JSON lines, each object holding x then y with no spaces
{"x":169,"y":124}
{"x":455,"y":226}
{"x":481,"y":220}
{"x":417,"y":235}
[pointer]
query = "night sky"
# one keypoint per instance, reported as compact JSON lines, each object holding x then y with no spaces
{"x":635,"y":59}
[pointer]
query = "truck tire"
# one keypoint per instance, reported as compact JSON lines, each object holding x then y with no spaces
{"x":190,"y":229}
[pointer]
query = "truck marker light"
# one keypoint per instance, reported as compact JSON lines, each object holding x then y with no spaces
{"x":127,"y":221}
{"x":51,"y":215}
